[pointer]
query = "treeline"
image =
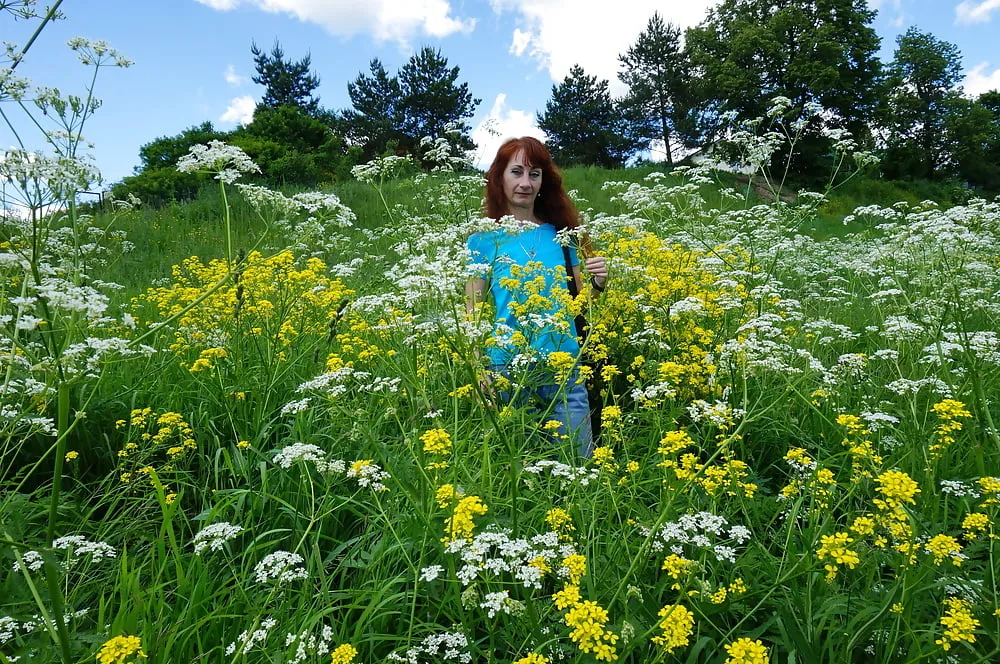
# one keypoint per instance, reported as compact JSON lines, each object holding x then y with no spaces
{"x":685,"y":93}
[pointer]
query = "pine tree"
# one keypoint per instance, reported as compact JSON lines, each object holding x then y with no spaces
{"x":377,"y":116}
{"x":432,"y":99}
{"x":286,"y":83}
{"x":655,"y":72}
{"x":583,"y":124}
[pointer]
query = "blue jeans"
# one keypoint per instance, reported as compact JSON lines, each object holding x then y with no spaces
{"x":569,"y":406}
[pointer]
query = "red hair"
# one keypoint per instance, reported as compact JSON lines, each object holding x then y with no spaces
{"x":551,"y":205}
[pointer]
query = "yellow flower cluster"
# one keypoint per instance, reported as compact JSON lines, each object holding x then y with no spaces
{"x":948,"y":412}
{"x":575,"y":566}
{"x":533,"y":658}
{"x":206,"y":358}
{"x":974,"y":524}
{"x":665,"y":275}
{"x":944,"y":546}
{"x":560,"y":521}
{"x":437,"y":443}
{"x":835,"y":549}
{"x":676,"y":624}
{"x":958,"y":622}
{"x":268,"y":296}
{"x":587,"y":620}
{"x":864,"y":460}
{"x":746,"y":651}
{"x":343,"y":654}
{"x":460,"y":524}
{"x":120,"y":648}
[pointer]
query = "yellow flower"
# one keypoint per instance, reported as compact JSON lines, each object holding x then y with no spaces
{"x":676,"y":565}
{"x":119,"y":648}
{"x":566,"y":597}
{"x":834,"y":547}
{"x":674,"y":442}
{"x":71,"y":455}
{"x":576,"y":567}
{"x":958,"y":622}
{"x":343,"y":654}
{"x":460,"y":524}
{"x":560,"y":521}
{"x":898,"y":489}
{"x":603,"y":455}
{"x":445,"y":495}
{"x":974,"y":523}
{"x":170,"y":498}
{"x":944,"y":546}
{"x":745,"y":651}
{"x":243,"y":444}
{"x":436,"y":442}
{"x":533,"y":658}
{"x":676,"y":625}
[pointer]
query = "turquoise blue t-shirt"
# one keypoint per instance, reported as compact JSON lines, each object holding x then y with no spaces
{"x":545,"y":329}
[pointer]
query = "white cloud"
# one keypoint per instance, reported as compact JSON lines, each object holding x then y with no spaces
{"x":385,"y":20}
{"x":561,"y":33}
{"x":975,"y":12}
{"x":234,"y":79}
{"x":240,"y":110}
{"x":502,"y":123}
{"x":978,"y":80}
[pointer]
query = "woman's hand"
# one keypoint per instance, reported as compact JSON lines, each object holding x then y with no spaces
{"x":597,"y":267}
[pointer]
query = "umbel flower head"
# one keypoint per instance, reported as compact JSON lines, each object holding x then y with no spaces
{"x":228,"y":162}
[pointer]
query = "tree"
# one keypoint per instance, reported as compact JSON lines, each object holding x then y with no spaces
{"x":655,"y":72}
{"x":432,"y":99}
{"x":423,"y":99}
{"x":583,"y":125}
{"x":377,"y":116}
{"x":921,"y":92}
{"x":163,"y":152}
{"x":293,"y":147}
{"x":286,"y":83}
{"x":824,"y":51}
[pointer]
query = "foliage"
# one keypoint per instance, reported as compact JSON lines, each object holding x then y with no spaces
{"x":657,"y":77}
{"x":163,"y":152}
{"x":286,"y":83}
{"x":374,"y":123}
{"x":921,"y":81}
{"x":424,"y":99}
{"x":433,"y":101}
{"x":583,"y":125}
{"x":824,"y":52}
{"x":293,"y":147}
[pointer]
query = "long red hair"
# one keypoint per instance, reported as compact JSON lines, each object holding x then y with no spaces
{"x":551,"y":205}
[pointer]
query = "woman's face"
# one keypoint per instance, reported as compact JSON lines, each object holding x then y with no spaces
{"x":521,"y":184}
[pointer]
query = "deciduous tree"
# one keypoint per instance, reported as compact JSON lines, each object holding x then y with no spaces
{"x":823,"y":51}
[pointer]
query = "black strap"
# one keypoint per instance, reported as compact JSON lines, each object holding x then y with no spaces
{"x":581,"y":322}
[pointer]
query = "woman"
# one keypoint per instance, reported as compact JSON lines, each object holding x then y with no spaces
{"x":527,"y":278}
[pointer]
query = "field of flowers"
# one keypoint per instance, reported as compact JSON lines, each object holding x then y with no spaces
{"x":280,"y":450}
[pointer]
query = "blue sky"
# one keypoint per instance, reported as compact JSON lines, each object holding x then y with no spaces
{"x":193,"y":63}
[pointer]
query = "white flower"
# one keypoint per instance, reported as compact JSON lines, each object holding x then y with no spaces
{"x":282,"y":566}
{"x":227,"y":161}
{"x":431,"y":573}
{"x":214,"y":536}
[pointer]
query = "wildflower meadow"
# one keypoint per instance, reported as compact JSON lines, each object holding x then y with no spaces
{"x":262,"y":433}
